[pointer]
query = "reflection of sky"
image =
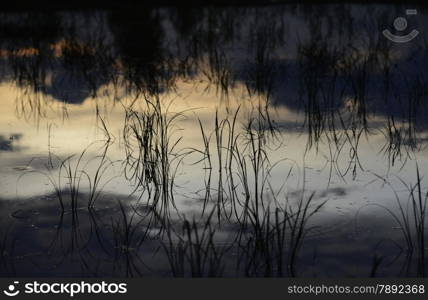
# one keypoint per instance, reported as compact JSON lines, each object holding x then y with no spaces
{"x":70,"y":127}
{"x":80,"y":128}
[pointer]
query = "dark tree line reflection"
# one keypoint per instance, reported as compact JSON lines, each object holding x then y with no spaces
{"x":331,"y":64}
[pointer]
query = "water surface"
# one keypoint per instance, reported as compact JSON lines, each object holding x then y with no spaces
{"x":284,"y":140}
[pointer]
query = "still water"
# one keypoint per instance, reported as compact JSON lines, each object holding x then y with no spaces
{"x":284,"y":140}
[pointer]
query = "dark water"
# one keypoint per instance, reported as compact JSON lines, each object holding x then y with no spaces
{"x":285,"y":140}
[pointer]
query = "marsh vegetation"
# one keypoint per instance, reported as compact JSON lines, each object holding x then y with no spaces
{"x":212,"y":142}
